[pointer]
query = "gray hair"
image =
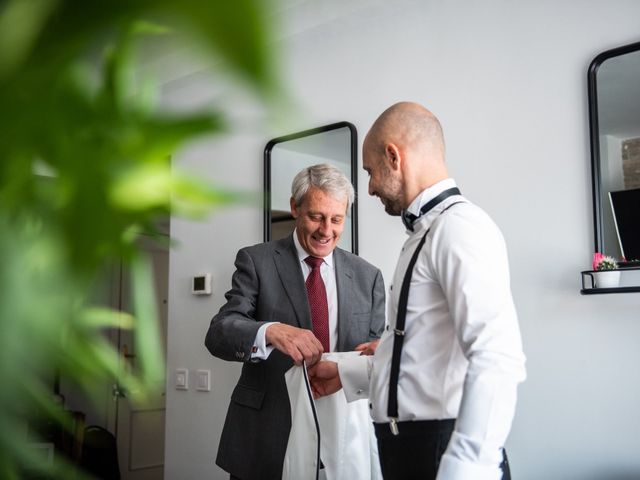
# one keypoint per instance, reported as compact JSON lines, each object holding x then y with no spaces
{"x":327,"y":178}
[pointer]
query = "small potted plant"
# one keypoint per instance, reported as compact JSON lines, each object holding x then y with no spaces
{"x":607,"y":275}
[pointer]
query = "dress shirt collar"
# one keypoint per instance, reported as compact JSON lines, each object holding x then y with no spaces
{"x":302,"y":253}
{"x":432,"y":192}
{"x":426,"y":196}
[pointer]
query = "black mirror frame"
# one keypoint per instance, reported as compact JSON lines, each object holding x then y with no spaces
{"x":354,"y":175}
{"x":596,"y":175}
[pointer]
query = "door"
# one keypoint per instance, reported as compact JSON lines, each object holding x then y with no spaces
{"x":139,"y":428}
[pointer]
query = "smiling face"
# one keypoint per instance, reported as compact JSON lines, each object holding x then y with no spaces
{"x":319,"y":221}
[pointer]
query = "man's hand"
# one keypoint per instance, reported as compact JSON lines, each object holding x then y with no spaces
{"x":324,"y":378}
{"x":298,"y":343}
{"x":368,"y":348}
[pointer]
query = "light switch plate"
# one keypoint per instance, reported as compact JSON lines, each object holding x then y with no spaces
{"x":203,"y":380}
{"x":182,"y":379}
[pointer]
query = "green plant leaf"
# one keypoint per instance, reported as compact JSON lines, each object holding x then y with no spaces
{"x":84,"y":169}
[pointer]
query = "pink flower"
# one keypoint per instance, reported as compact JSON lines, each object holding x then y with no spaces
{"x":597,"y":258}
{"x":603,"y":262}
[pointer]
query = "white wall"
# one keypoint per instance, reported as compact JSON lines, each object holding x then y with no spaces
{"x":508,"y":81}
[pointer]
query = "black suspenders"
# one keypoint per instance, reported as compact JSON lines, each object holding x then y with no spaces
{"x":398,"y":340}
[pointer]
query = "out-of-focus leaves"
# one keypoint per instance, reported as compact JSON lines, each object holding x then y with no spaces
{"x":191,"y":196}
{"x":36,"y":301}
{"x":147,"y":334}
{"x":73,"y":106}
{"x":240,"y":32}
{"x":97,"y":317}
{"x":20,"y":23}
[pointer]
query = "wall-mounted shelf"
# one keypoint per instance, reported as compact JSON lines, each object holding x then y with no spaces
{"x":594,"y":291}
{"x":589,"y":286}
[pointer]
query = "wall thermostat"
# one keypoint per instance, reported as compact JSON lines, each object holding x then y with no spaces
{"x":201,"y":284}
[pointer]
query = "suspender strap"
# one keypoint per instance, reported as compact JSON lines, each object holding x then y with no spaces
{"x":398,"y":339}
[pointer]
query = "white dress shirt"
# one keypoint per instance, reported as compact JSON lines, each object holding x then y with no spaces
{"x":261,"y":350}
{"x":462,"y":355}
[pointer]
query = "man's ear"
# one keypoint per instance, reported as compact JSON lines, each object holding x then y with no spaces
{"x":392,"y":156}
{"x":294,"y":209}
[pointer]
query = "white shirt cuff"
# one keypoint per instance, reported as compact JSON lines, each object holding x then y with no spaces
{"x":261,"y":350}
{"x":452,"y":468}
{"x":354,"y":376}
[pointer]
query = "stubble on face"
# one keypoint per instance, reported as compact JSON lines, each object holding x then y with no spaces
{"x":388,"y":188}
{"x":391,"y":196}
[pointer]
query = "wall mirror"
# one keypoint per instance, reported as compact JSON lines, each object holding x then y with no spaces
{"x":614,"y":119}
{"x":285,"y":156}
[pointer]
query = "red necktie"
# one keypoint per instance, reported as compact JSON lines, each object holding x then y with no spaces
{"x":318,"y":302}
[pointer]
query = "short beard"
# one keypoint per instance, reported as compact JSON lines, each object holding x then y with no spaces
{"x":392,"y":208}
{"x":393,"y":202}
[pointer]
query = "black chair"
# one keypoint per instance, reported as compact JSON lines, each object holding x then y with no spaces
{"x":100,"y":453}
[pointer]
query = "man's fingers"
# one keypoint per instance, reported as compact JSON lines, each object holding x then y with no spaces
{"x":368,"y":348}
{"x":314,"y":340}
{"x":316,"y":356}
{"x":297,"y":343}
{"x":309,"y":347}
{"x":322,"y":387}
{"x":295,"y":355}
{"x":306,"y":353}
{"x":324,"y":370}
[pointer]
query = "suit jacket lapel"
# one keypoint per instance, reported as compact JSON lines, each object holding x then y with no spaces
{"x":287,"y":265}
{"x":344,"y":283}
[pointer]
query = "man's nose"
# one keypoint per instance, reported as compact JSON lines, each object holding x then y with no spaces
{"x":325,"y":225}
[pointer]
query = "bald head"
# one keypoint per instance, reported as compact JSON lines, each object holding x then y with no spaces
{"x":405,"y":146}
{"x":409,"y":125}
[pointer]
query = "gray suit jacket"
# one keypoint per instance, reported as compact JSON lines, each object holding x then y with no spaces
{"x":267,"y":286}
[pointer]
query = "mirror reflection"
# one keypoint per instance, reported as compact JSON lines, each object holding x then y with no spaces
{"x":286,"y":156}
{"x":614,"y":88}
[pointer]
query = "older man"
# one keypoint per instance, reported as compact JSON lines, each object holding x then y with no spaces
{"x":290,"y":301}
{"x":442,"y":383}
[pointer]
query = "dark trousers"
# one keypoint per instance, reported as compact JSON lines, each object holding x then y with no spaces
{"x":416,"y":451}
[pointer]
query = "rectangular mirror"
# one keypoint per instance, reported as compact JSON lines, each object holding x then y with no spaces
{"x":285,"y":156}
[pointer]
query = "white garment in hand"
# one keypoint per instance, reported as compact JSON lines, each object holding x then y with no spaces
{"x":348,"y":446}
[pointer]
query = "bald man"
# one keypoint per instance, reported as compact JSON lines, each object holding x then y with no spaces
{"x":442,"y":383}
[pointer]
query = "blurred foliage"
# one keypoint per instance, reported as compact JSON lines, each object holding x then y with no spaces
{"x":107,"y":153}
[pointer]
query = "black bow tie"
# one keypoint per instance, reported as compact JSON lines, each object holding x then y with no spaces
{"x":409,"y":218}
